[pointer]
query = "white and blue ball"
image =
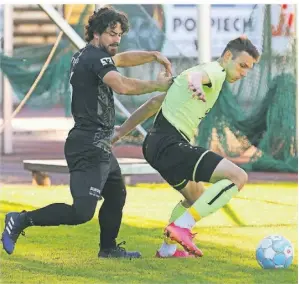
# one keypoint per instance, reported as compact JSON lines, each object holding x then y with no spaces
{"x":274,"y":252}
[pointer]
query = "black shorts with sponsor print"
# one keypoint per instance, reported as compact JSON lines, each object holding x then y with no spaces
{"x":178,"y":162}
{"x":93,"y":170}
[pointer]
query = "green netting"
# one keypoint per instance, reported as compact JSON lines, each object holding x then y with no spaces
{"x":253,"y":122}
{"x":26,"y":63}
{"x":24,"y":67}
{"x":265,"y":138}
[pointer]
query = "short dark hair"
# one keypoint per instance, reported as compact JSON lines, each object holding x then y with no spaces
{"x":240,"y":44}
{"x":105,"y":17}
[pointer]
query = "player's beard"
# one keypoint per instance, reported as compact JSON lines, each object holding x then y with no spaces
{"x":112,"y":50}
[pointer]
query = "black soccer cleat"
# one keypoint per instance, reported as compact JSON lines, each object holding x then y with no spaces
{"x":118,"y":252}
{"x":15,"y":223}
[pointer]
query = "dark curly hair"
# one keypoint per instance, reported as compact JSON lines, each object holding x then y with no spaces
{"x":105,"y":17}
{"x":242,"y":44}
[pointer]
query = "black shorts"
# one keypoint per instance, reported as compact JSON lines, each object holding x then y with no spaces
{"x":91,"y":168}
{"x":178,"y":162}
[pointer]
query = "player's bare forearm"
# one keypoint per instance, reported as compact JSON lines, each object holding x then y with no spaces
{"x":134,"y":58}
{"x":148,"y":109}
{"x":139,"y":87}
{"x":129,"y":86}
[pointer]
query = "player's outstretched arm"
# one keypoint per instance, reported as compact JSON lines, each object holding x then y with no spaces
{"x":129,"y":86}
{"x":148,"y":109}
{"x":134,"y":58}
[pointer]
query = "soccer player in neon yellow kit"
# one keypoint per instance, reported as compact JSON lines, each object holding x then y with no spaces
{"x":167,"y":146}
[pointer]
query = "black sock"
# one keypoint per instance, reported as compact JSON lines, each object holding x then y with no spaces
{"x":109,"y":220}
{"x":53,"y":215}
{"x":63,"y":214}
{"x":110,"y":214}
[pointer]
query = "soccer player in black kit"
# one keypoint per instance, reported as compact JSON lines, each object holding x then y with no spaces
{"x":94,"y":171}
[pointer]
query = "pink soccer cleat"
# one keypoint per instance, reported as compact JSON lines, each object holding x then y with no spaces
{"x":178,"y":254}
{"x":184,"y":237}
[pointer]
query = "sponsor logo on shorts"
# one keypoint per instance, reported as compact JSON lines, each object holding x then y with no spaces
{"x":95,"y":192}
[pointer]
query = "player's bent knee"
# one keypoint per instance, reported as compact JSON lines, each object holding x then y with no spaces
{"x":228,"y":170}
{"x":116,"y":198}
{"x":244,"y":179}
{"x":240,"y":178}
{"x":84,"y":216}
{"x":83,"y":209}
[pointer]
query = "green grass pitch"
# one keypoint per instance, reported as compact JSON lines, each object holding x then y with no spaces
{"x":68,"y":254}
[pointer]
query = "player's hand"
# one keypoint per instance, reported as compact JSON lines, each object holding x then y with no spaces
{"x":198,"y":93}
{"x":116,"y":135}
{"x":195,"y":85}
{"x":165,"y":80}
{"x":165,"y":62}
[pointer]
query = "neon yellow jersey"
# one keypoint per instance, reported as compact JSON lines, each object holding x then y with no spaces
{"x":184,"y":112}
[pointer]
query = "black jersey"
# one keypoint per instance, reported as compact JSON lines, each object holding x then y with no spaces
{"x":92,"y":100}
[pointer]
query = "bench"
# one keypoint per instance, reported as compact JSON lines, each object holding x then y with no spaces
{"x":129,"y":166}
{"x":41,"y":168}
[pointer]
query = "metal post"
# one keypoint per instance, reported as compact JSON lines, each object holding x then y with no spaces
{"x":204,"y":33}
{"x":7,"y":101}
